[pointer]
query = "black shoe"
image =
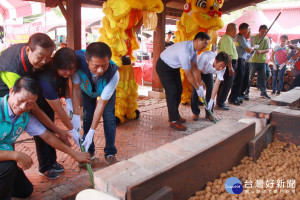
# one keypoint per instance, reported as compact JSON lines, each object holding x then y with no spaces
{"x":58,"y":167}
{"x":223,"y":106}
{"x":246,"y":97}
{"x":51,"y":174}
{"x":240,"y":99}
{"x":273,"y":92}
{"x":234,"y":102}
{"x":265,"y":95}
{"x":278,"y":92}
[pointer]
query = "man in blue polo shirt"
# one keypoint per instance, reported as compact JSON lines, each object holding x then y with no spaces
{"x":243,"y":48}
{"x":15,"y":119}
{"x":97,"y":77}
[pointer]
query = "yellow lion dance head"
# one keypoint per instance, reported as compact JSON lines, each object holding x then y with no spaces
{"x":199,"y":15}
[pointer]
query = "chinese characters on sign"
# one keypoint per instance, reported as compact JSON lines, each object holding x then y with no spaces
{"x":270,"y":186}
{"x":21,"y":33}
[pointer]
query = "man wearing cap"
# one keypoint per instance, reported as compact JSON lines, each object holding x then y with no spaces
{"x":168,"y":41}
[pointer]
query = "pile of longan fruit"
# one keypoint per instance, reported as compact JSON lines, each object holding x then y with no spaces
{"x":279,"y":161}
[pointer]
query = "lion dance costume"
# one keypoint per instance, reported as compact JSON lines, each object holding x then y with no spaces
{"x":121,"y":17}
{"x":198,"y":15}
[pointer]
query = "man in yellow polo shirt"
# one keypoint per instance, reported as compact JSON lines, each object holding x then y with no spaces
{"x":226,"y":45}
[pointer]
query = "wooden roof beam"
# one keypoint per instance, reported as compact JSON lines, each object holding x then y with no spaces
{"x":238,"y":4}
{"x":92,"y":3}
{"x":179,"y":1}
{"x":174,"y":10}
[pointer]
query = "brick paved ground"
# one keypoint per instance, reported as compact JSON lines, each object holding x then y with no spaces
{"x":133,"y":137}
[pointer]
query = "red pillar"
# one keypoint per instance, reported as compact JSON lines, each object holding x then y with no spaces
{"x":74,"y":24}
{"x":158,"y":47}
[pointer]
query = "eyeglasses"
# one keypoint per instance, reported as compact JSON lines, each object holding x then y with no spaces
{"x":205,"y":44}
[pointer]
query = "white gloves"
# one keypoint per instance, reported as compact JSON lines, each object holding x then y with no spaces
{"x":210,"y":104}
{"x":281,"y":66}
{"x":76,"y":136}
{"x":76,"y":122}
{"x":69,"y":107}
{"x":200,"y":91}
{"x":88,"y":139}
{"x":256,"y":46}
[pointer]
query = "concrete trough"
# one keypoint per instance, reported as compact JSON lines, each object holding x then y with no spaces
{"x":178,"y":169}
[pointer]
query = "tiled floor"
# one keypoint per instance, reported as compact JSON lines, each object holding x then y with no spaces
{"x":133,"y":137}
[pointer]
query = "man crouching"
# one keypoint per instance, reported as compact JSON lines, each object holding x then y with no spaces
{"x":15,"y":119}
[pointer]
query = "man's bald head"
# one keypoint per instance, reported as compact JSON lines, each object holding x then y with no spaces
{"x":231,"y":29}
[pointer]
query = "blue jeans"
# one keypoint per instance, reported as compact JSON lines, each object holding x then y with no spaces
{"x":260,"y":68}
{"x":280,"y":77}
{"x":109,"y":122}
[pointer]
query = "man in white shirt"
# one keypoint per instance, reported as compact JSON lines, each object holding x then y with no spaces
{"x":209,"y":63}
{"x":180,"y":55}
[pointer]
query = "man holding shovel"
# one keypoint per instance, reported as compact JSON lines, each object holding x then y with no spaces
{"x":209,"y":63}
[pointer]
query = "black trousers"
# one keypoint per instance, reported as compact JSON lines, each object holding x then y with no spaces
{"x":245,"y":89}
{"x":171,"y":81}
{"x":209,"y":82}
{"x":238,"y":79}
{"x":13,"y":181}
{"x":45,"y":153}
{"x":225,"y":85}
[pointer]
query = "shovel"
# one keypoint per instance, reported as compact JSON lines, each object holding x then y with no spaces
{"x":88,"y":166}
{"x":210,"y":113}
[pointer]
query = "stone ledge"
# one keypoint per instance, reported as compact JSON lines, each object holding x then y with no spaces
{"x":290,"y":98}
{"x":261,"y":111}
{"x":119,"y":178}
{"x":286,"y":125}
{"x":259,"y":123}
{"x":228,"y":145}
{"x":287,"y":111}
{"x":257,"y":144}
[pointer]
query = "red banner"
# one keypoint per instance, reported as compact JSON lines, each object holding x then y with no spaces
{"x":21,"y":33}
